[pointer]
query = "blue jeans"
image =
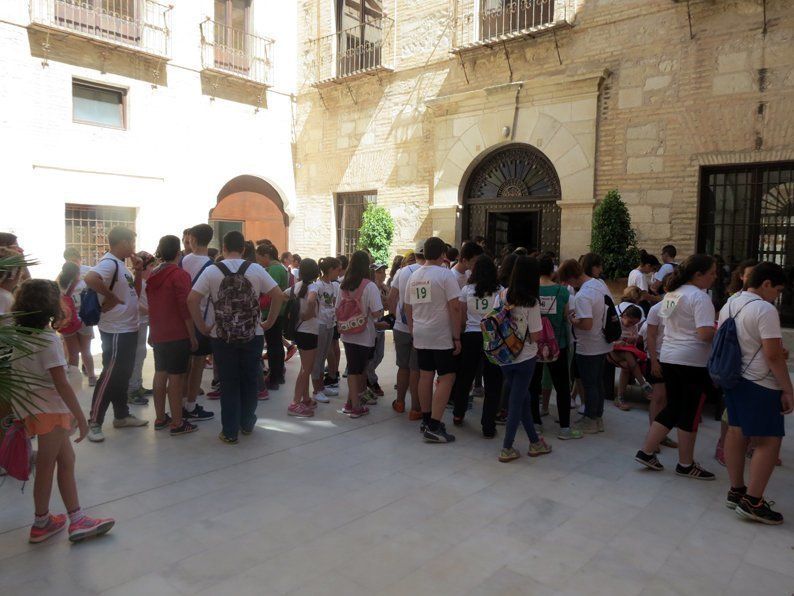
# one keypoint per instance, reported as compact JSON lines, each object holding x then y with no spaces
{"x":591,"y":372}
{"x":238,"y":369}
{"x":516,"y":378}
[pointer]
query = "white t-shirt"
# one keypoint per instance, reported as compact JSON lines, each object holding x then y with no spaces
{"x":122,"y":318}
{"x":684,"y":311}
{"x":400,"y":282}
{"x":527,"y":318}
{"x":588,"y":303}
{"x":664,"y":270}
{"x":477,"y":308}
{"x":327,"y":291}
{"x":429,"y":290}
{"x":295,"y":272}
{"x":6,"y":301}
{"x":463,"y":278}
{"x":193,"y":263}
{"x":370,"y":303}
{"x":81,"y":284}
{"x":757,"y":320}
{"x":654,"y":319}
{"x":639,"y":279}
{"x":45,"y":397}
{"x":209,"y":282}
{"x":309,"y":325}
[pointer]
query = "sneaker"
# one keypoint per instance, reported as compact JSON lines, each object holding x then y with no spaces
{"x":762,"y":512}
{"x":647,"y":388}
{"x":226,"y":439}
{"x":375,"y":388}
{"x":272,"y":385}
{"x":300,"y":410}
{"x":291,"y":351}
{"x":55,"y":523}
{"x":129,"y":421}
{"x":694,"y":471}
{"x":539,"y":429}
{"x":539,"y":448}
{"x":368,"y":397}
{"x":214,"y":394}
{"x":135,"y":399}
{"x":147,"y":392}
{"x":477,"y":392}
{"x":358,"y":412}
{"x":509,"y":454}
{"x":88,"y":527}
{"x":398,"y":406}
{"x":331,"y":390}
{"x":330,"y":381}
{"x":198,"y":414}
{"x":321,"y":397}
{"x":183,"y":428}
{"x":566,"y":434}
{"x":600,"y":424}
{"x":347,"y":408}
{"x":587,"y":426}
{"x":262,"y":395}
{"x":440,"y":435}
{"x":649,"y":461}
{"x":92,"y":381}
{"x":501,"y":418}
{"x":95,"y":434}
{"x":164,"y":423}
{"x":215,"y":383}
{"x":414,"y":415}
{"x":621,"y":404}
{"x":734,"y":497}
{"x":719,"y":455}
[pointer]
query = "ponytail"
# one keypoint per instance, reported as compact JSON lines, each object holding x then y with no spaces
{"x":687,"y":270}
{"x":308,"y":272}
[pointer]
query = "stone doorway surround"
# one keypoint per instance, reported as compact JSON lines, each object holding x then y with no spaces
{"x":557,"y":115}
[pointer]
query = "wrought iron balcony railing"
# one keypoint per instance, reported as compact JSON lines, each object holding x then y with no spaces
{"x":364,"y":49}
{"x":235,"y":52}
{"x":485,"y":22}
{"x":139,"y":25}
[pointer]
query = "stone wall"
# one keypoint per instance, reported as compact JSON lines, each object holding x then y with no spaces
{"x":667,"y":101}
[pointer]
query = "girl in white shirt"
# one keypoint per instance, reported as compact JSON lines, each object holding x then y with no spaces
{"x":305,"y":291}
{"x":689,"y":329}
{"x":627,"y":355}
{"x":327,"y":293}
{"x":57,"y":412}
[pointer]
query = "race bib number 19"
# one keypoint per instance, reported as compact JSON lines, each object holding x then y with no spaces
{"x":420,"y":293}
{"x":669,"y":302}
{"x":478,"y":305}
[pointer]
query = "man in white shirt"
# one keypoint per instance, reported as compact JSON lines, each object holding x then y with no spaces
{"x":237,"y":359}
{"x":756,"y":405}
{"x":668,"y":259}
{"x":433,"y":314}
{"x":118,"y":327}
{"x":468,"y":254}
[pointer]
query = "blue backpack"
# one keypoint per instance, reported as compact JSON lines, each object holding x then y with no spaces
{"x":90,"y":309}
{"x":725,"y":361}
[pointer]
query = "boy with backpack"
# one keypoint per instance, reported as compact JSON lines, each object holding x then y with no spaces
{"x":237,"y":333}
{"x":749,"y":360}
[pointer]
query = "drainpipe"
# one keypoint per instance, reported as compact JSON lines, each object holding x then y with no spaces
{"x":515,"y":114}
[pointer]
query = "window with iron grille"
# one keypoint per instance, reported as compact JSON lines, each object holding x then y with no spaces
{"x":350,"y":208}
{"x":88,"y":226}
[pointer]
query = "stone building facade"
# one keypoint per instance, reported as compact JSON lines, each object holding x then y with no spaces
{"x":640,"y":95}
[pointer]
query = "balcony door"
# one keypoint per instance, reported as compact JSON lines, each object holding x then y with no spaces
{"x":232,"y":27}
{"x":109,"y":19}
{"x":505,"y":17}
{"x":359,"y":26}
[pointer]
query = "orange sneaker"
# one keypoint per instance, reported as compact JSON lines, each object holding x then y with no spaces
{"x":55,"y":524}
{"x":414,"y":415}
{"x":398,"y":406}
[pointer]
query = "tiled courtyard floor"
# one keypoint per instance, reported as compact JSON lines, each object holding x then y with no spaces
{"x":337,"y":506}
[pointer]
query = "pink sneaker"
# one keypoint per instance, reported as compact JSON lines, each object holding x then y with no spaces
{"x":263,"y":395}
{"x":55,"y":524}
{"x":88,"y":527}
{"x":300,"y":410}
{"x":358,"y":412}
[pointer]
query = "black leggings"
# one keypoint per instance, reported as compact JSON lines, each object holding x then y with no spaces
{"x":562,"y":387}
{"x":469,"y":360}
{"x":686,"y":392}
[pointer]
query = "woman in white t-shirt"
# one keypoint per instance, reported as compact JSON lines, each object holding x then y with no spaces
{"x":689,"y":330}
{"x":652,"y":333}
{"x":327,"y":293}
{"x":477,"y":298}
{"x":305,"y":292}
{"x":359,"y":341}
{"x":522,"y":299}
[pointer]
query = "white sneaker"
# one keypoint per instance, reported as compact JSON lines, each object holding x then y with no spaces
{"x":321,"y":397}
{"x":331,"y":391}
{"x":129,"y":422}
{"x":95,"y":433}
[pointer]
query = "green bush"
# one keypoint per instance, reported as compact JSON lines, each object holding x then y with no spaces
{"x":613,"y":237}
{"x":376,"y":233}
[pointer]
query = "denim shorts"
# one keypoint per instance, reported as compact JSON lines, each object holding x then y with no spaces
{"x":756,"y":409}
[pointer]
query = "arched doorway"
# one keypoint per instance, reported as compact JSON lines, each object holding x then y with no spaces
{"x":510,"y":197}
{"x":252,"y":206}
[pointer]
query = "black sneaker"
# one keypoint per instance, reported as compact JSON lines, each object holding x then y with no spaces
{"x":649,"y":461}
{"x":734,"y":496}
{"x":329,"y":381}
{"x":198,"y":414}
{"x":162,"y":424}
{"x":440,"y":435}
{"x":215,"y":383}
{"x":694,"y":471}
{"x":183,"y":429}
{"x":761,"y":513}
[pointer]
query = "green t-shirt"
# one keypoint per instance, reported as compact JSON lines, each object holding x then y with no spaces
{"x":281,"y":277}
{"x":552,"y":306}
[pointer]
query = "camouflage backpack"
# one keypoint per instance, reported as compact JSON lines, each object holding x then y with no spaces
{"x":236,"y":306}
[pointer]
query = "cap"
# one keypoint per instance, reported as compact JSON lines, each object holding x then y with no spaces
{"x":408,"y":254}
{"x":420,"y":247}
{"x":377,"y":266}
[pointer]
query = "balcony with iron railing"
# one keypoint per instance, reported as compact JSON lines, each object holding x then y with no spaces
{"x":481,"y":23}
{"x":236,"y":53}
{"x":142,"y":26}
{"x":366,"y":49}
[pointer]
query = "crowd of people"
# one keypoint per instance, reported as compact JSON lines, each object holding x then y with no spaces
{"x":245,"y":310}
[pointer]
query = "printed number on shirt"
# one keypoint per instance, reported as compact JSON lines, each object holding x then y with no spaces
{"x":669,"y":302}
{"x":421,"y":292}
{"x":478,"y":305}
{"x":548,"y":305}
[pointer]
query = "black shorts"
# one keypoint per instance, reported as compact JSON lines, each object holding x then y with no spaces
{"x":686,"y":392}
{"x":204,"y":345}
{"x":172,"y":356}
{"x":357,"y":357}
{"x":306,"y":341}
{"x":440,"y":361}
